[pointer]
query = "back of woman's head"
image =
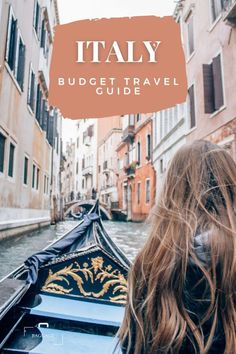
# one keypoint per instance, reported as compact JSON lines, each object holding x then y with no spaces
{"x":197,"y":198}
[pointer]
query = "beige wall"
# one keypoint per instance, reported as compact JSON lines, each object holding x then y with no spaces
{"x":105,"y":125}
{"x":17,"y":121}
{"x":107,"y":177}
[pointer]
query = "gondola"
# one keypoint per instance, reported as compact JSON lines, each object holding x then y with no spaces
{"x":78,"y":216}
{"x":68,"y":298}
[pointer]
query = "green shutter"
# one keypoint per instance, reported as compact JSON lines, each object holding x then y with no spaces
{"x":208,"y":88}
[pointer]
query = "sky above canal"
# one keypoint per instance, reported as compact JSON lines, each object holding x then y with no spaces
{"x":73,"y":10}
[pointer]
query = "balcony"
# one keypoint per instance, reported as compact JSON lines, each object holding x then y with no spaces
{"x":87,"y":171}
{"x":130,"y":170}
{"x":128,"y":133}
{"x":229,"y":14}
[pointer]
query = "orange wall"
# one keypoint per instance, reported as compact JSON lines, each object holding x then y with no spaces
{"x":146,"y":170}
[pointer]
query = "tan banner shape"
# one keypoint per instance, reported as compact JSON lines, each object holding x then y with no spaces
{"x":117,"y":66}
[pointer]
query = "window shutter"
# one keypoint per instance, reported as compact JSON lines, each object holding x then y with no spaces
{"x":51,"y":131}
{"x":2,"y":152}
{"x":29,"y":85}
{"x":10,"y":19}
{"x":44,"y":116}
{"x":190,"y":35}
{"x":12,"y":44}
{"x":32,"y":91}
{"x":48,"y":123}
{"x":138,"y":153}
{"x":39,"y":29}
{"x":218,"y":82}
{"x":38,"y":103}
{"x":21,"y":65}
{"x":34,"y":17}
{"x":43,"y":35}
{"x":208,"y":88}
{"x":48,"y":126}
{"x":192,"y":107}
{"x":55,"y":118}
{"x":55,"y":132}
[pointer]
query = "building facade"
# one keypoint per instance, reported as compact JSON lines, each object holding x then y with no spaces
{"x":57,"y":204}
{"x":107,"y":167}
{"x":27,"y":131}
{"x":209,"y":36}
{"x":68,"y":178}
{"x":136,"y":175}
{"x":86,"y":159}
{"x":210,"y":109}
{"x":169,"y":134}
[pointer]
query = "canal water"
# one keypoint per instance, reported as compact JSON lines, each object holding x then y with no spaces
{"x":15,"y":250}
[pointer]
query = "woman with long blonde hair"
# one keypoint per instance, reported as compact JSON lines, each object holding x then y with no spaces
{"x":182,"y":285}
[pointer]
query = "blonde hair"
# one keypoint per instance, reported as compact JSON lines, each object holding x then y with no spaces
{"x":198,"y":195}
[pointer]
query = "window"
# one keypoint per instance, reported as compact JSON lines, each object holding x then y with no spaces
{"x":139,"y":153}
{"x":213,"y":85}
{"x":139,"y":192}
{"x":83,"y":163}
{"x":20,"y":68}
{"x":43,"y":35}
{"x":148,"y":147}
{"x":11,"y":160}
{"x":2,"y":151}
{"x":26,"y":164}
{"x":36,"y":19}
{"x":190,"y":35}
{"x":15,"y":50}
{"x":45,"y":115}
{"x":216,"y":8}
{"x":148,"y":191}
{"x":11,"y":41}
{"x":37,"y":178}
{"x":33,"y":176}
{"x":44,"y":42}
{"x":38,"y":113}
{"x":51,"y":130}
{"x":46,"y":184}
{"x":192,"y":113}
{"x":31,"y":89}
{"x":138,"y":117}
{"x":131,"y":153}
{"x":90,"y":131}
{"x":131,"y":119}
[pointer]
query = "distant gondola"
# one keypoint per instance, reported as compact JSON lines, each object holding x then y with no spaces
{"x":77,"y":216}
{"x":68,"y":298}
